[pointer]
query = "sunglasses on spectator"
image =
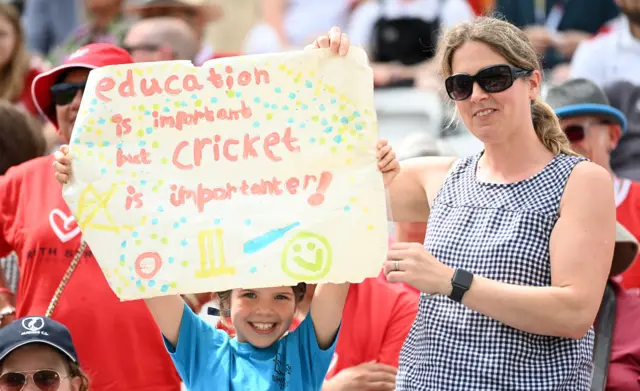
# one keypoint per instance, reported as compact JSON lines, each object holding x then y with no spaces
{"x":492,"y":79}
{"x":44,"y":379}
{"x":577,"y":132}
{"x":63,"y":93}
{"x":144,"y":47}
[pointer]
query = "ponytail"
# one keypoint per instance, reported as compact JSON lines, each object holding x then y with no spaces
{"x":548,"y":130}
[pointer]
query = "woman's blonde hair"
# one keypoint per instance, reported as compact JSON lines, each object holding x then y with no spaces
{"x":12,"y":75}
{"x":512,"y":44}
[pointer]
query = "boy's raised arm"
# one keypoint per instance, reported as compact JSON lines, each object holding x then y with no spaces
{"x":167,"y":312}
{"x":326,"y":311}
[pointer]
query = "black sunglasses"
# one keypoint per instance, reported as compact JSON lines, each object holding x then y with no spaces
{"x":577,"y":132}
{"x":44,"y":379}
{"x":143,"y":47}
{"x":63,"y":93}
{"x":492,"y":79}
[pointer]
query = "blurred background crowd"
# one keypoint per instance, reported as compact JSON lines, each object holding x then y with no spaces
{"x":596,"y":40}
{"x":576,"y":38}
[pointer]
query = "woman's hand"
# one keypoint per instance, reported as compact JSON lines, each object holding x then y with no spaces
{"x":387,"y":162}
{"x":62,"y":164}
{"x":335,"y":40}
{"x":412,"y":264}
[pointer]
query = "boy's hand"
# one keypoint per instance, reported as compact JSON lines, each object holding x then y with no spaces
{"x":335,"y":40}
{"x":62,"y":164}
{"x":387,"y":162}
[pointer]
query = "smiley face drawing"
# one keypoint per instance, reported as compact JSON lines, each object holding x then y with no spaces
{"x":307,"y":256}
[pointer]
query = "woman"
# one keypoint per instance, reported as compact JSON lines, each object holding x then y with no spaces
{"x":119,"y":345}
{"x":38,"y":354}
{"x":17,"y":70}
{"x":519,"y":238}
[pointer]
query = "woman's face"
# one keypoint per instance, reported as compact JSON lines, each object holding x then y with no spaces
{"x":66,"y":114}
{"x":262,"y":316}
{"x":492,"y":117}
{"x":7,"y":41}
{"x":35,"y":357}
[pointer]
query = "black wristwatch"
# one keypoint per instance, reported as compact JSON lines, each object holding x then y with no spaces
{"x":460,"y":284}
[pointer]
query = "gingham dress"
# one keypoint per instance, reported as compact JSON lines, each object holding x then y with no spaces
{"x":499,"y":231}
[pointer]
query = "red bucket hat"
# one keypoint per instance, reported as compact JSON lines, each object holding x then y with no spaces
{"x":95,"y":55}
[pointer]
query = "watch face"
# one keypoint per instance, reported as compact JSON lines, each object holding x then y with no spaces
{"x":463,"y":278}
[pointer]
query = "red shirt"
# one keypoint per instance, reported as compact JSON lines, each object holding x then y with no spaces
{"x":118,"y":343}
{"x":624,"y":366}
{"x":376,"y":319}
{"x":628,"y":214}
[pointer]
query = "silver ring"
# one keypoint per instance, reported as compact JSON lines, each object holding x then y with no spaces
{"x":397,"y":265}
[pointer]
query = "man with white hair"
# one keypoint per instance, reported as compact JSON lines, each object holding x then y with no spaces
{"x":161,"y":39}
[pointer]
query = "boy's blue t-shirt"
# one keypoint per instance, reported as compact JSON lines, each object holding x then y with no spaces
{"x":208,"y":359}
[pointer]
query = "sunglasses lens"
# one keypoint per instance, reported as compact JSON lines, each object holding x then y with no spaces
{"x":46,"y":380}
{"x":12,"y":381}
{"x":459,"y":87}
{"x":574,"y":133}
{"x":495,"y":79}
{"x":64,"y":93}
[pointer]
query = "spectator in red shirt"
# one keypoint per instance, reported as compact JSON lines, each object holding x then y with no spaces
{"x":17,"y":70}
{"x":594,"y":129}
{"x":118,"y":343}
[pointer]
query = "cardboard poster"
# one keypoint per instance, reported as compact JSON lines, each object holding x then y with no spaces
{"x":246,"y":172}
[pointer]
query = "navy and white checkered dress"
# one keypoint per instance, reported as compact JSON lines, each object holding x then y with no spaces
{"x":499,"y":231}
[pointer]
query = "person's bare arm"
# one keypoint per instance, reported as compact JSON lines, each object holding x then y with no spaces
{"x":326,"y":311}
{"x":408,"y":191}
{"x":581,"y":250}
{"x":167,"y":312}
{"x":273,"y":13}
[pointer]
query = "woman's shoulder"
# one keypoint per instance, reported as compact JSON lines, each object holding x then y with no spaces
{"x":588,"y":180}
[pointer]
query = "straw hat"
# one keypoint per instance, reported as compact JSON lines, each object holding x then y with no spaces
{"x":209,"y":11}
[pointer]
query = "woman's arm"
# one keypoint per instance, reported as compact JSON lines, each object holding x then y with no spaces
{"x":415,"y":186}
{"x":326,"y":311}
{"x":581,"y":250}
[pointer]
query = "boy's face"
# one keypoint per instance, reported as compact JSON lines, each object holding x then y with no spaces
{"x":262,"y":316}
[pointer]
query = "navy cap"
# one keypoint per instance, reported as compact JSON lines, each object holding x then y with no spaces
{"x":578,"y":97}
{"x":36,"y":329}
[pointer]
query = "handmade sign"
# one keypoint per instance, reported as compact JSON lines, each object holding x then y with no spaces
{"x":246,"y":172}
